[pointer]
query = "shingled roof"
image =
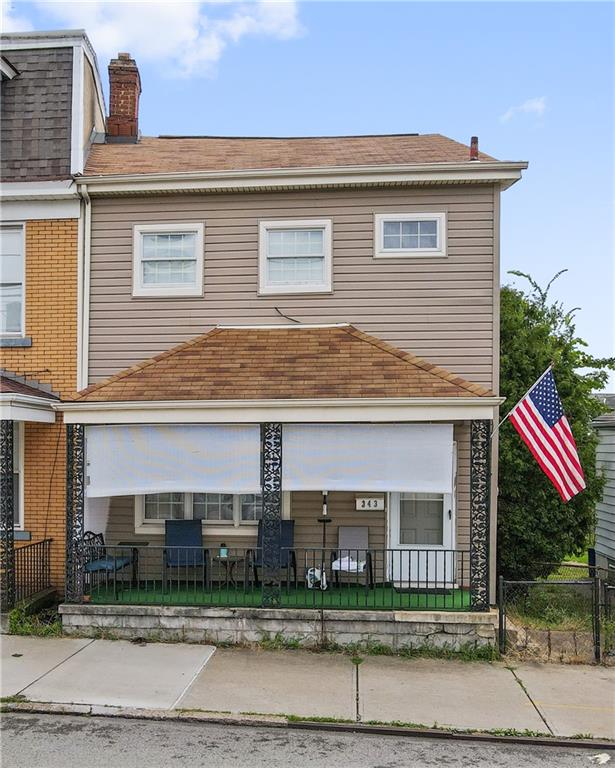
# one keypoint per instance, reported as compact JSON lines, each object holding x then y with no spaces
{"x":170,"y":154}
{"x":17,"y":385}
{"x":281,"y":363}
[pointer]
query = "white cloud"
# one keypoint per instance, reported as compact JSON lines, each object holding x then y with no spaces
{"x":10,"y":20}
{"x":186,"y":38}
{"x":535,"y":106}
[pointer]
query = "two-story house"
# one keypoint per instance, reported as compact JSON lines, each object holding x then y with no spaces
{"x":290,"y":353}
{"x":51,"y":109}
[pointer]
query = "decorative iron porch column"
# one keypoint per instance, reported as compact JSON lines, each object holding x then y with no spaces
{"x":271,"y":484}
{"x":7,"y":516}
{"x":75,"y":488}
{"x":480,"y":484}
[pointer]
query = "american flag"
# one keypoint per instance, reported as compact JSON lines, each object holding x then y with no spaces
{"x":539,"y":419}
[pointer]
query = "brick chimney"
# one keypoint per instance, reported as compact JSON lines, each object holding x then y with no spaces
{"x":474,"y":148}
{"x":124,"y":91}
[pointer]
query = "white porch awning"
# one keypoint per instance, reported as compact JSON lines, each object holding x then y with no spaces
{"x":368,"y":457}
{"x":127,"y":460}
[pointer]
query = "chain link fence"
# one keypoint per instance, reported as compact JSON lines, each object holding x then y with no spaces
{"x":568,"y":617}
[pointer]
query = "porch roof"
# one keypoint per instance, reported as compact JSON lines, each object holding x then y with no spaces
{"x":23,"y":399}
{"x":282,"y":363}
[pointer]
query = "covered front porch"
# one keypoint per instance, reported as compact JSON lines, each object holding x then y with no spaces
{"x":27,"y":421}
{"x":348,"y":501}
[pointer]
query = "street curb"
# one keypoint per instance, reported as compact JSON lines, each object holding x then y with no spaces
{"x":438,"y":733}
{"x":183,"y":715}
{"x":280,"y":721}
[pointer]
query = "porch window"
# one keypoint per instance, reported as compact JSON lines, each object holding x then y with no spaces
{"x":12,"y":315}
{"x":251,"y":507}
{"x":212,"y":508}
{"x":216,"y":507}
{"x":410,"y":234}
{"x":164,"y":506}
{"x":295,"y":256}
{"x":168,"y":260}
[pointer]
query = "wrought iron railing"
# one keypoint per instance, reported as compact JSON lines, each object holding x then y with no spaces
{"x":352,"y":579}
{"x":32,"y":569}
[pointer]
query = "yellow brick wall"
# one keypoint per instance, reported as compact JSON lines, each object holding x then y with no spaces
{"x":51,"y":322}
{"x":51,"y":306}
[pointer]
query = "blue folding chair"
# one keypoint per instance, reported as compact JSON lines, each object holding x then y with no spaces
{"x":183,"y":549}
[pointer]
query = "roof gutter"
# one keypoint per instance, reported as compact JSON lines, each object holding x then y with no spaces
{"x":503,"y":173}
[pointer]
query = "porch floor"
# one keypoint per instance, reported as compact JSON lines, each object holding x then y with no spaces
{"x":349,"y":597}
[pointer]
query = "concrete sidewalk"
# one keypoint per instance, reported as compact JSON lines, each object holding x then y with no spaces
{"x":556,"y":699}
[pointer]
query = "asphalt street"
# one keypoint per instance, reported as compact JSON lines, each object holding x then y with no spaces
{"x":66,"y":741}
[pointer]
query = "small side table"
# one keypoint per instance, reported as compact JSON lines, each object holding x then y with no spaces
{"x":134,"y":545}
{"x":230,"y":564}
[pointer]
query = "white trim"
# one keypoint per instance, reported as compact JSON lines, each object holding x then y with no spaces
{"x":283,"y":326}
{"x":32,"y":210}
{"x":349,"y":410}
{"x":504,"y":173}
{"x":77,"y":116}
{"x":21,"y":333}
{"x":380,"y":252}
{"x":167,"y":290}
{"x":83,"y":307}
{"x":39,"y":190}
{"x":16,"y":407}
{"x":19,"y":523}
{"x":264,"y":226}
{"x":81,"y":384}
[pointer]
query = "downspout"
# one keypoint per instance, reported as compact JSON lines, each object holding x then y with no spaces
{"x":83,"y":288}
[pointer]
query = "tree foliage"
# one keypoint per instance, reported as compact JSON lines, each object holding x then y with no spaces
{"x":534,"y":525}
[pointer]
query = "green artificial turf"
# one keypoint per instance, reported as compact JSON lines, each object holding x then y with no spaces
{"x":346,"y":596}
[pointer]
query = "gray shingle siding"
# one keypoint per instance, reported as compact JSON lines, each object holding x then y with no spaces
{"x":35,"y":109}
{"x":605,"y":509}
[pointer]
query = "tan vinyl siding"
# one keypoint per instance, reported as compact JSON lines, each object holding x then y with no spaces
{"x":439,"y":308}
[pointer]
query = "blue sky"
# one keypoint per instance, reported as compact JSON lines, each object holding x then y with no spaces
{"x":533,"y":80}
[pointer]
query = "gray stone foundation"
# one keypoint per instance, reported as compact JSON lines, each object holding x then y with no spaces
{"x":395,"y":629}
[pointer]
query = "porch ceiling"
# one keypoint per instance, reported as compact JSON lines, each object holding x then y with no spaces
{"x":282,"y":363}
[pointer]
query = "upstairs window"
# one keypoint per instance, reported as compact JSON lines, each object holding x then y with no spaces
{"x":295,"y":256}
{"x":168,"y":260}
{"x":12,"y":310}
{"x":410,"y":234}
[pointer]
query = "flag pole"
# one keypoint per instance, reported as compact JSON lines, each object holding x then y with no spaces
{"x":539,"y":379}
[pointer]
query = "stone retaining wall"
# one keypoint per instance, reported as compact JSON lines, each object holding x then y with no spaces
{"x":395,"y":629}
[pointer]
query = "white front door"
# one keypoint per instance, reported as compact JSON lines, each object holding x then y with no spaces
{"x":421,"y":537}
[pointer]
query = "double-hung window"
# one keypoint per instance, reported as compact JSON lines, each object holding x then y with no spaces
{"x":168,"y":260}
{"x":295,"y":256}
{"x":12,"y":311}
{"x":212,"y":508}
{"x":410,"y":234}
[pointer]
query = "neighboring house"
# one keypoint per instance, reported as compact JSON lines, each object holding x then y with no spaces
{"x":51,"y":108}
{"x":283,"y":330}
{"x":604,"y":545}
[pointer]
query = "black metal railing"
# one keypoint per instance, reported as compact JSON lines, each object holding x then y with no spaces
{"x":32,"y":569}
{"x":352,"y":579}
